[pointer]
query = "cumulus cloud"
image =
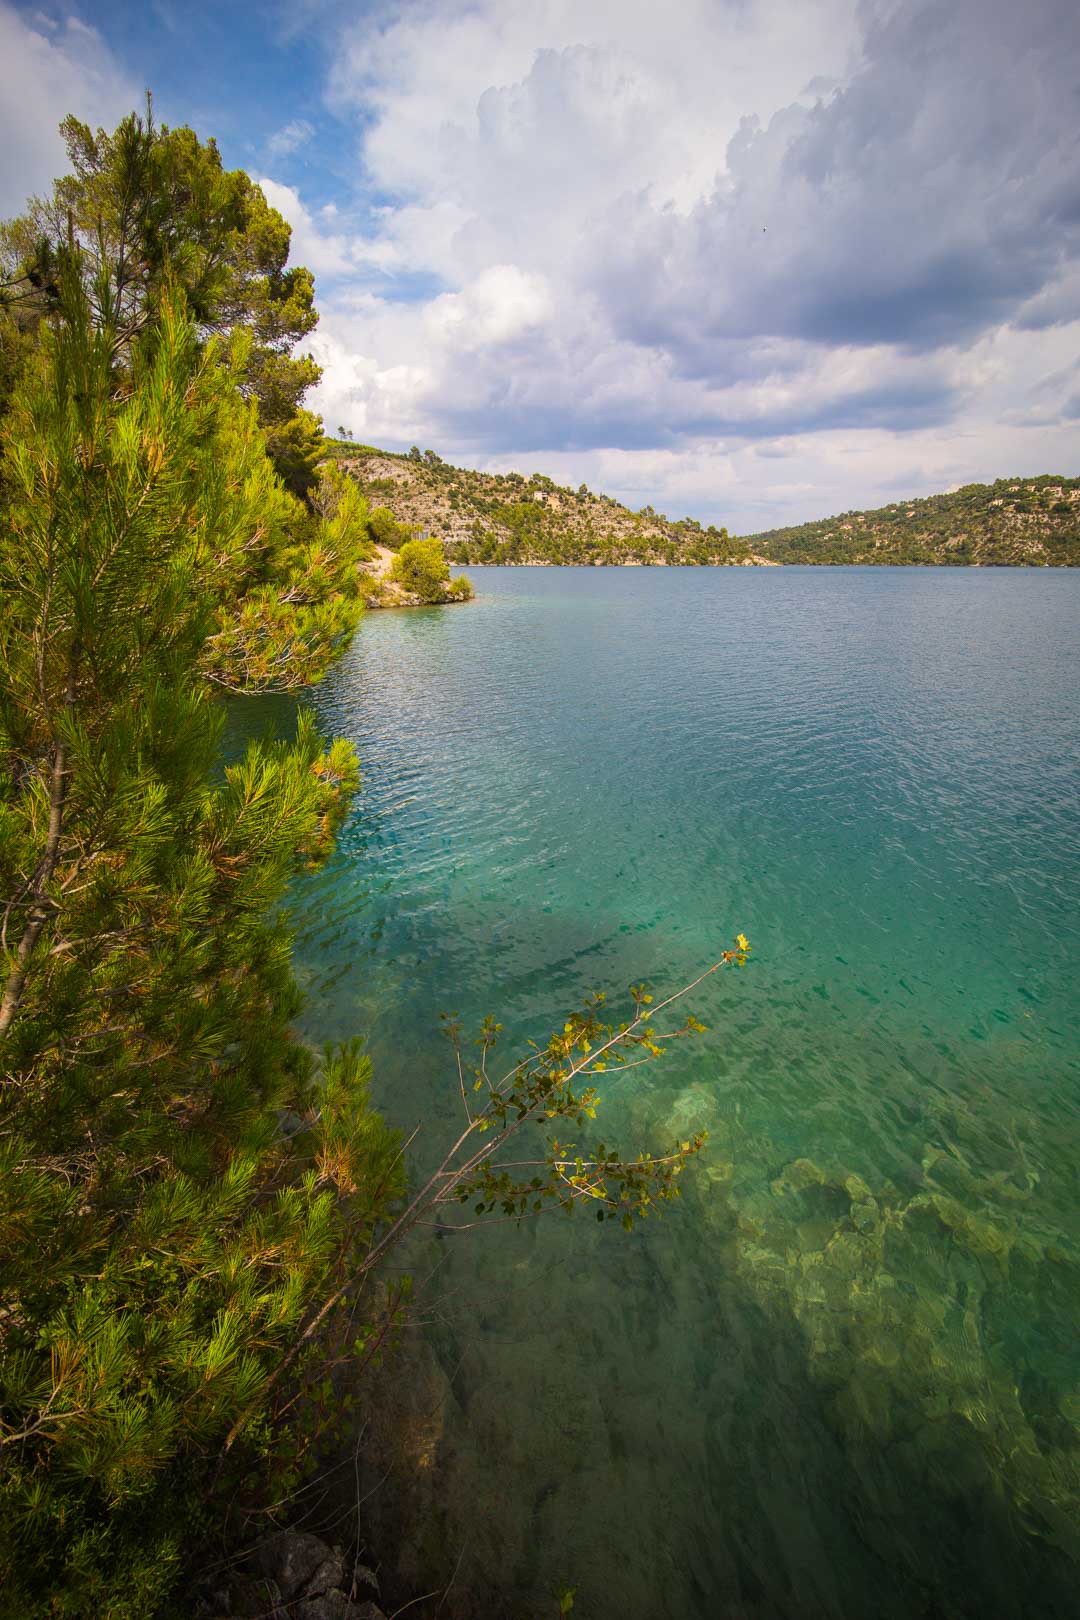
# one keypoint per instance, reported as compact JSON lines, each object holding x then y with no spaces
{"x":51,"y":69}
{"x":502,"y":303}
{"x":605,"y":231}
{"x":929,"y":197}
{"x":327,"y":253}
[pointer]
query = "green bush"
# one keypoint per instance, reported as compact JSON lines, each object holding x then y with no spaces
{"x":421,"y":568}
{"x":385,"y":529}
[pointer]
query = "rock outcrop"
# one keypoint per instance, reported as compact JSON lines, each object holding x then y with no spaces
{"x":294,"y":1575}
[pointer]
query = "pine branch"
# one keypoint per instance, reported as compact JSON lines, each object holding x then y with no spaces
{"x":40,"y":908}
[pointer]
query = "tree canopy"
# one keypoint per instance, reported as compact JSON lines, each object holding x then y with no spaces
{"x":154,"y":208}
{"x":420,"y":568}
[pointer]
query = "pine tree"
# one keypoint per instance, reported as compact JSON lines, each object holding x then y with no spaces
{"x":150,"y":207}
{"x":163,"y":1241}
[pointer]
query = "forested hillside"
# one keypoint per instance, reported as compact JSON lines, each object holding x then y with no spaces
{"x":511,"y":518}
{"x":1016,"y":522}
{"x":508,"y":518}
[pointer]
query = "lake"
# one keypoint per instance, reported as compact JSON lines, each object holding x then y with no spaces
{"x":842,"y":1376}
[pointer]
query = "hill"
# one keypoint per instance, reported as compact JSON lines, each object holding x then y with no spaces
{"x":1017,"y":522}
{"x":511,"y":518}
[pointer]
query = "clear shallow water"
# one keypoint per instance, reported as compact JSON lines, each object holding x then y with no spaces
{"x":842,"y":1378}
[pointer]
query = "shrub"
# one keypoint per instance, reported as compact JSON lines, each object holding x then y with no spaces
{"x":385,"y":529}
{"x":421,"y":567}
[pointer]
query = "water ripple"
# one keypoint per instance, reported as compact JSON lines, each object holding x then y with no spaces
{"x":844,"y":1379}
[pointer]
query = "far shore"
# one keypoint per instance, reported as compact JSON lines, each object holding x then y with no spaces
{"x":631,"y":562}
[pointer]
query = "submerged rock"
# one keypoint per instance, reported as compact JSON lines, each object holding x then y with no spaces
{"x":294,"y":1575}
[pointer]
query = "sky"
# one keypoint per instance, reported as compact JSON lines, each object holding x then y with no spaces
{"x":753,"y":261}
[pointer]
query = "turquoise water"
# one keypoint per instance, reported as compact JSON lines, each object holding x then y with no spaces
{"x":842,"y":1378}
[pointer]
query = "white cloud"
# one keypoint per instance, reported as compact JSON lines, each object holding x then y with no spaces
{"x":381,"y":403}
{"x":501,"y":303}
{"x":51,"y":69}
{"x":686,"y":250}
{"x":296,"y":133}
{"x":325,"y":252}
{"x":462,"y":91}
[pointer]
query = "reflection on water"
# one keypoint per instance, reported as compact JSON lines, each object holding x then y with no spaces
{"x":842,"y":1378}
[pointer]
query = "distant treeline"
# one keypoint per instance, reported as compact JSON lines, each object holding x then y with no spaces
{"x":1016,"y":522}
